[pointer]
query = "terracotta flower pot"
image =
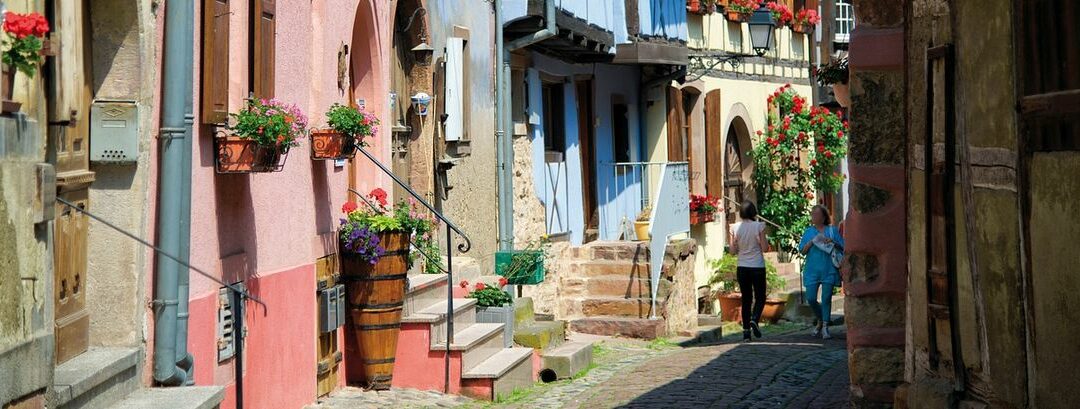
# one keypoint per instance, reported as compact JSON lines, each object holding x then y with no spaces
{"x":328,"y":144}
{"x":694,"y":6}
{"x":8,"y":84}
{"x":730,"y":306}
{"x":701,"y":218}
{"x":238,"y":155}
{"x":738,"y":17}
{"x":842,"y":94}
{"x":774,"y":310}
{"x":802,"y":28}
{"x":642,"y":230}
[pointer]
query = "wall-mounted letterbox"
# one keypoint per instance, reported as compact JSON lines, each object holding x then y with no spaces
{"x":331,"y":308}
{"x":114,"y":131}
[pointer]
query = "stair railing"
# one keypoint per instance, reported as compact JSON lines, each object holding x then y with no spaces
{"x":241,"y":295}
{"x":463,"y":247}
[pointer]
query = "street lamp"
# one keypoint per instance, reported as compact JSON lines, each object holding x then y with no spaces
{"x":761,"y":29}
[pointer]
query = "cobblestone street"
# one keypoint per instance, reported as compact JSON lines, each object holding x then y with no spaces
{"x":792,"y":370}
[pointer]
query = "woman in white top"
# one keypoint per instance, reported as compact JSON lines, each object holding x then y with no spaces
{"x":748,"y":242}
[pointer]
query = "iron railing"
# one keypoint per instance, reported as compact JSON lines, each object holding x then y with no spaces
{"x":631,"y":192}
{"x":463,"y":247}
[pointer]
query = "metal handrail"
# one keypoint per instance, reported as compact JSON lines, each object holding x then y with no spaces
{"x":463,"y":247}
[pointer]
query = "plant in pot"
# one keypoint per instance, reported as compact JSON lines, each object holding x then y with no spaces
{"x":775,"y":285}
{"x":805,"y":21}
{"x":703,"y":208}
{"x":700,"y":6}
{"x":22,"y":51}
{"x":374,"y":252}
{"x":524,"y":266}
{"x":261,"y":135}
{"x":781,"y":14}
{"x":642,"y":224}
{"x":494,"y":305}
{"x":741,"y":10}
{"x":724,"y":281}
{"x":835,"y":73}
{"x":347,"y":129}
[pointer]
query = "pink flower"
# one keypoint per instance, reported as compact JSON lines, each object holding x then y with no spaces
{"x":480,"y":286}
{"x":464,"y":284}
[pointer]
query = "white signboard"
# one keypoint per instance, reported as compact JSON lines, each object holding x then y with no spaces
{"x":671,"y":215}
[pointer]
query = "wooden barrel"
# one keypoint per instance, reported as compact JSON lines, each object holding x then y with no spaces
{"x":376,"y":294}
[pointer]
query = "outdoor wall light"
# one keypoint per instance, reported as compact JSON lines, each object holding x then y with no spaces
{"x":420,"y":103}
{"x":761,"y":29}
{"x":422,"y":53}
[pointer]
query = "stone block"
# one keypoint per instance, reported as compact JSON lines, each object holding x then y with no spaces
{"x":619,"y":307}
{"x":867,"y":199}
{"x":876,"y":365}
{"x":880,"y":13}
{"x":626,"y":327}
{"x":614,"y":286}
{"x":626,"y":268}
{"x":573,"y":287}
{"x":568,"y":359}
{"x":36,"y":401}
{"x":540,"y":335}
{"x":523,"y":310}
{"x":878,"y":130}
{"x":862,"y":267}
{"x":627,"y":251}
{"x":874,"y":311}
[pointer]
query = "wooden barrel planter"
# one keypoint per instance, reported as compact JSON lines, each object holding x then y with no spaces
{"x":376,"y":294}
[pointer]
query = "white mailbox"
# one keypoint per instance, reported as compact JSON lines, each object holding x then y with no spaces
{"x":114,"y":131}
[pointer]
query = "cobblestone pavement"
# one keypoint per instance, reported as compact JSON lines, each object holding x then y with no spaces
{"x":780,"y":371}
{"x":789,"y":371}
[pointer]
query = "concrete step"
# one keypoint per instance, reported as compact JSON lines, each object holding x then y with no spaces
{"x":424,"y":291}
{"x":97,"y":378}
{"x":500,"y":375}
{"x":541,"y":335}
{"x":435,"y":316}
{"x":498,"y":364}
{"x":482,"y":350}
{"x":703,"y":334}
{"x":469,"y":336}
{"x":184,"y":397}
{"x":620,"y":326}
{"x":616,"y":307}
{"x":467,"y":269}
{"x":566,"y":360}
{"x":709,"y":320}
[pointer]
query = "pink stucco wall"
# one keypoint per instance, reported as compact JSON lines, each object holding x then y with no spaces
{"x":267,"y":229}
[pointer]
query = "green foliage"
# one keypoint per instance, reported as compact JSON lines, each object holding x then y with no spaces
{"x":724,"y":277}
{"x":661,"y":344}
{"x":798,"y":155}
{"x":490,"y":296}
{"x":352,"y":122}
{"x":24,"y":54}
{"x":833,"y":72}
{"x":402,"y":217}
{"x":270,"y":123}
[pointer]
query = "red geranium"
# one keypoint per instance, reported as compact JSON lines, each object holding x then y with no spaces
{"x":503,"y":281}
{"x":379,"y":195}
{"x":22,"y":25}
{"x":480,"y":286}
{"x":348,"y":207}
{"x":464,"y":284}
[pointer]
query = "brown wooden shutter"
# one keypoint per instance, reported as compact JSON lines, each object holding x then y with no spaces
{"x":714,"y":145}
{"x":215,"y":62}
{"x":676,"y":150}
{"x":265,"y":26}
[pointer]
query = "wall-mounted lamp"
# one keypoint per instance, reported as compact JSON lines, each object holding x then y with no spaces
{"x":420,"y":103}
{"x":422,"y":53}
{"x":761,"y":29}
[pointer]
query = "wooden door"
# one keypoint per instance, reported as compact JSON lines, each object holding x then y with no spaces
{"x":586,"y":140}
{"x":67,"y":80}
{"x":733,"y":171}
{"x":328,"y":354}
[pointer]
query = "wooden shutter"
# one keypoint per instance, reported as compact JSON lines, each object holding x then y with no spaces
{"x":714,"y":145}
{"x":676,"y":150}
{"x":264,"y":31}
{"x":215,"y":62}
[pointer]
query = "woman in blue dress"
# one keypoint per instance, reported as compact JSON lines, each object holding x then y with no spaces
{"x":819,"y":243}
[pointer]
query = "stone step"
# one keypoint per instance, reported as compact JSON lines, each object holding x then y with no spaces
{"x":498,"y":364}
{"x":620,"y":326}
{"x":541,"y":335}
{"x":615,"y":250}
{"x":703,"y":334}
{"x":600,"y":268}
{"x":469,"y":336}
{"x":523,"y":310}
{"x":435,"y":316}
{"x":424,"y":291}
{"x":97,"y":378}
{"x":566,"y":360}
{"x":613,"y":286}
{"x":481,"y":351}
{"x":639,"y":307}
{"x":709,"y":320}
{"x":184,"y":397}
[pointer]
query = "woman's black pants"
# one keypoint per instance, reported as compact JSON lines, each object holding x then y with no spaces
{"x":752,"y":287}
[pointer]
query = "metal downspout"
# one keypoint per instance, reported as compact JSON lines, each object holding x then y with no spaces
{"x":178,"y":55}
{"x":503,"y":117}
{"x":184,"y":360}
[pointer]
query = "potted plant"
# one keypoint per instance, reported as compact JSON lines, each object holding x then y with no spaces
{"x":22,"y":51}
{"x":524,"y":266}
{"x":261,"y":135}
{"x":781,"y":14}
{"x":347,"y":129}
{"x":775,"y":284}
{"x":700,"y":6}
{"x":835,"y":73}
{"x":703,"y":208}
{"x":375,"y":254}
{"x":740,"y":10}
{"x":641,"y":224}
{"x":494,"y":306}
{"x":805,"y":21}
{"x":725,"y":283}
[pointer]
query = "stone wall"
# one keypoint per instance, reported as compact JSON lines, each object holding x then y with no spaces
{"x":876,"y":267}
{"x":680,"y":305}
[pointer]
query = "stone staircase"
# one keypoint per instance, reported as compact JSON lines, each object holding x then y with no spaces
{"x":559,"y":359}
{"x":109,"y":378}
{"x":480,"y":366}
{"x":607,"y":290}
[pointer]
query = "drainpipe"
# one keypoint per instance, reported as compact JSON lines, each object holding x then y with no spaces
{"x":173,"y":138}
{"x":184,"y":360}
{"x":503,"y":117}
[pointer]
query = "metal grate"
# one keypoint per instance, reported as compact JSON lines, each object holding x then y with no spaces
{"x":845,"y":21}
{"x":226,"y":340}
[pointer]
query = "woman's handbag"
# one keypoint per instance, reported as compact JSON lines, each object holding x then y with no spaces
{"x":837,"y":256}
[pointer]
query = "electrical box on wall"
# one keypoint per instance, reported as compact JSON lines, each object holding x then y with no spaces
{"x":114,"y":131}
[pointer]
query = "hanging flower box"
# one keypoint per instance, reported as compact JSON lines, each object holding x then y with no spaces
{"x":805,"y":21}
{"x":739,"y":11}
{"x":260,"y":137}
{"x":520,"y":267}
{"x":239,"y":155}
{"x":347,"y":128}
{"x":701,"y":218}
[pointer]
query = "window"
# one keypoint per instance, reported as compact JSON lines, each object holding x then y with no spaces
{"x":620,"y":131}
{"x":554,"y":123}
{"x":1050,"y":84}
{"x":845,"y":21}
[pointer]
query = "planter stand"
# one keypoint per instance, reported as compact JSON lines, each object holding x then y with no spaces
{"x":701,"y":218}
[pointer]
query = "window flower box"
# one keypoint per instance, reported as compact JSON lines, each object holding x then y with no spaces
{"x":328,"y":144}
{"x":701,"y":218}
{"x":347,"y":128}
{"x":239,"y":155}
